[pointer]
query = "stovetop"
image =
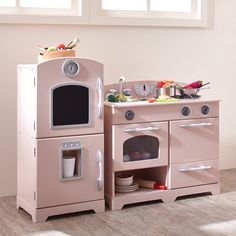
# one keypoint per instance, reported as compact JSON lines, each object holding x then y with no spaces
{"x":187,"y":96}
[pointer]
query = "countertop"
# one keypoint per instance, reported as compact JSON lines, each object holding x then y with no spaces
{"x":159,"y":103}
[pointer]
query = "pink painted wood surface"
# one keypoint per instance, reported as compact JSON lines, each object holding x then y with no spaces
{"x":194,"y":143}
{"x":41,"y":215}
{"x":50,"y":74}
{"x":180,"y":178}
{"x":51,"y":191}
{"x":152,"y":112}
{"x":142,"y":195}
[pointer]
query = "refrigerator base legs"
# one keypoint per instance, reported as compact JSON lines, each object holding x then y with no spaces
{"x":41,"y":215}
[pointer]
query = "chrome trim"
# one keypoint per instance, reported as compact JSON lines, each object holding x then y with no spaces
{"x":195,"y":168}
{"x":141,"y":129}
{"x":100,"y":166}
{"x":100,"y":96}
{"x":192,"y":125}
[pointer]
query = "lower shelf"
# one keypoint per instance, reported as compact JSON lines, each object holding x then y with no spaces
{"x":139,"y":191}
{"x":143,"y":195}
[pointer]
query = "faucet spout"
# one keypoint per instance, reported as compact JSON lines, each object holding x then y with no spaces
{"x":121,"y":81}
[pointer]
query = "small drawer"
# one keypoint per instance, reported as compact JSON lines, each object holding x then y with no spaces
{"x":194,"y":173}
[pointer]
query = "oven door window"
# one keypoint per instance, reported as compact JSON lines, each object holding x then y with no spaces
{"x":141,"y":147}
{"x":70,"y":106}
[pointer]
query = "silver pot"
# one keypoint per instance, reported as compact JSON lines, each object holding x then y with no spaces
{"x":169,"y":91}
{"x":189,"y":91}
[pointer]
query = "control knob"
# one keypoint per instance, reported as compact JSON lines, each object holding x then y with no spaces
{"x":205,"y":110}
{"x":186,"y":111}
{"x":129,"y":115}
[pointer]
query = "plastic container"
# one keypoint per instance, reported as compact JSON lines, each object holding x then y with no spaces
{"x":68,"y":166}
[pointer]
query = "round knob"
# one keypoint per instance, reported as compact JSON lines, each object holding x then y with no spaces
{"x":186,"y":111}
{"x":129,"y":115}
{"x":205,"y":110}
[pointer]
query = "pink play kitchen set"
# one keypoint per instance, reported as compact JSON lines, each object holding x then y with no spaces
{"x":76,"y":151}
{"x":167,"y":145}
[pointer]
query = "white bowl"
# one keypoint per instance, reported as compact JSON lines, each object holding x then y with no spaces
{"x":124,"y":180}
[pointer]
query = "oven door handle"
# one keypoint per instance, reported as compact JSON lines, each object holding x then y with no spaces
{"x":195,"y":168}
{"x":192,"y":125}
{"x":100,"y":96}
{"x":100,"y":167}
{"x":141,"y":129}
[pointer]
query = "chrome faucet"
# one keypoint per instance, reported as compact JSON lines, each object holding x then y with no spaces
{"x":121,"y":81}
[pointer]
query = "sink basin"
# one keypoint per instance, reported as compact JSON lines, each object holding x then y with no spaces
{"x":138,"y":100}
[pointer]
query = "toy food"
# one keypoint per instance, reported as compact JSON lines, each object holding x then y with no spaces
{"x":165,"y":83}
{"x":150,"y":184}
{"x":121,"y":98}
{"x":195,"y":84}
{"x":111,"y":98}
{"x":61,"y":50}
{"x":61,"y":46}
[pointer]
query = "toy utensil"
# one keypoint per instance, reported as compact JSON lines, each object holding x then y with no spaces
{"x":72,"y":44}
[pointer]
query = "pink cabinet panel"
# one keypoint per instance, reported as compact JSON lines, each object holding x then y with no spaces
{"x":194,"y":173}
{"x":87,"y":185}
{"x":140,"y":145}
{"x":194,"y":140}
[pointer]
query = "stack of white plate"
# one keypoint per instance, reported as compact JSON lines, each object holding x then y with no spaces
{"x":123,"y":179}
{"x":126,"y":188}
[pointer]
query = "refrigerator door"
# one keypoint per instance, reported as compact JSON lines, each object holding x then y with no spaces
{"x":54,"y":187}
{"x":69,"y":105}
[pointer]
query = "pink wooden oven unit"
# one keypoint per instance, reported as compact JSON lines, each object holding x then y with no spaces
{"x":60,"y":114}
{"x":181,"y":139}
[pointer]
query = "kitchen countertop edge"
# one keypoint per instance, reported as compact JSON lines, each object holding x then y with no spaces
{"x":146,"y":103}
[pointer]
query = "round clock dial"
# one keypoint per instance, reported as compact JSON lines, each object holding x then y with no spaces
{"x":143,"y":90}
{"x":71,"y":68}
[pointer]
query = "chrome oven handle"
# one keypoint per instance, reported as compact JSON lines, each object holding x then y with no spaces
{"x":141,"y":129}
{"x":100,"y":93}
{"x":195,"y":168}
{"x":192,"y":125}
{"x":100,"y":167}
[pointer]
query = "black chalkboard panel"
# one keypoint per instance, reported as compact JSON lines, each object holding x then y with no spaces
{"x":70,"y":105}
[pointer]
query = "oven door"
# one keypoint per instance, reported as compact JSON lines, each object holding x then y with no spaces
{"x":69,"y":170}
{"x":140,"y":145}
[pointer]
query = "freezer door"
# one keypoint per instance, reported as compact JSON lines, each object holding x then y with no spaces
{"x":58,"y":185}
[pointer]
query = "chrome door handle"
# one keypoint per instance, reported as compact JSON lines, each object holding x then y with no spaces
{"x":195,"y":168}
{"x":141,"y":129}
{"x":192,"y":125}
{"x":100,"y":167}
{"x":100,"y":93}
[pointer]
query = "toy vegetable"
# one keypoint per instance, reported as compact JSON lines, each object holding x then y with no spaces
{"x":195,"y":84}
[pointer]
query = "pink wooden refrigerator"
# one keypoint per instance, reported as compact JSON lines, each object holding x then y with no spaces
{"x":60,"y":137}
